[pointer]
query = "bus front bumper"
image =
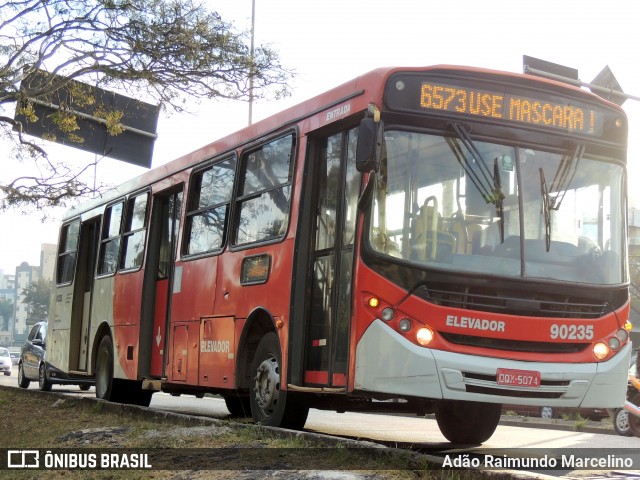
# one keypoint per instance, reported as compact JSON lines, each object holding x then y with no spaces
{"x":389,"y":363}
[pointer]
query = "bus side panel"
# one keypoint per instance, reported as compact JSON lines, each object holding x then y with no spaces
{"x":58,"y":335}
{"x":273,"y":295}
{"x":184,"y":340}
{"x":368,"y":284}
{"x":127,"y":296}
{"x":193,"y":296}
{"x":102,"y":314}
{"x":159,"y":327}
{"x":127,"y":300}
{"x":194,"y":289}
{"x":217,"y":352}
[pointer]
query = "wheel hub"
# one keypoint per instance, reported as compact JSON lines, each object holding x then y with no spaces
{"x":267,"y":385}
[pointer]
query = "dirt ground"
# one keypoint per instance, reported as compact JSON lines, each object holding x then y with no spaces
{"x":66,"y":429}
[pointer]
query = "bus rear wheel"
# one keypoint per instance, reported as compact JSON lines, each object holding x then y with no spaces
{"x":114,"y":389}
{"x":467,"y":422}
{"x":104,"y":370}
{"x":270,"y":405}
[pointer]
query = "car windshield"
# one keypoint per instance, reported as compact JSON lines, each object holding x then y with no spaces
{"x":4,"y":352}
{"x":500,"y":209}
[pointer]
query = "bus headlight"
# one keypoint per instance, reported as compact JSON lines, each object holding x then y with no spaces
{"x":404,"y":325}
{"x":600,"y":350}
{"x":614,"y":343}
{"x":424,"y":336}
{"x":388,"y":314}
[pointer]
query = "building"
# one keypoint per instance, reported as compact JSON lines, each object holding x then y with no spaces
{"x":48,"y":255}
{"x":7,"y":300}
{"x":25,"y":276}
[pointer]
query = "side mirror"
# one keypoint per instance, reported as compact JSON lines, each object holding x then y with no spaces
{"x":366,"y":151}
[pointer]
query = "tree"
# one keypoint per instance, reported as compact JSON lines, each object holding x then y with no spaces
{"x":6,"y":313}
{"x":167,"y":51}
{"x":37,"y":297}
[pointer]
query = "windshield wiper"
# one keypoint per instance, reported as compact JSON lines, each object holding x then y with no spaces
{"x":561,"y":181}
{"x":546,"y":210}
{"x":487,"y":184}
{"x":564,"y":175}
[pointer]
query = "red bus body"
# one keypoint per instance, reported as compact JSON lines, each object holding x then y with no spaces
{"x":255,"y":287}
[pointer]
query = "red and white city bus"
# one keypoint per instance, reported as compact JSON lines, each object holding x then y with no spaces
{"x":451,"y":237}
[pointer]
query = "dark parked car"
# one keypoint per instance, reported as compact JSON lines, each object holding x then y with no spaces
{"x":33,"y":366}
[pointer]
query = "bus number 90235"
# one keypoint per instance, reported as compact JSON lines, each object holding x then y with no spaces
{"x":571,"y":332}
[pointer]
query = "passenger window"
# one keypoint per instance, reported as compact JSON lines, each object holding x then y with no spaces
{"x":134,"y":232}
{"x":110,"y":244}
{"x":265,"y":193}
{"x":67,"y":252}
{"x":209,"y":207}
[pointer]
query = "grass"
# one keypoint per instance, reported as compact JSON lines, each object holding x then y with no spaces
{"x":47,"y":421}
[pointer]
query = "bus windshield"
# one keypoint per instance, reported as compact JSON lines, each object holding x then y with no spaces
{"x":471,"y":206}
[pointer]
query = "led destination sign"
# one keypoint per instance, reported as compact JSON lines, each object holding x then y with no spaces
{"x":569,"y":116}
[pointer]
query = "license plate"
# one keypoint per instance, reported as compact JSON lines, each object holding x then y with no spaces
{"x":518,"y":378}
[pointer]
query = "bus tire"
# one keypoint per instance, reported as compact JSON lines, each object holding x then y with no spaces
{"x":104,"y":370}
{"x":238,"y":406}
{"x":270,"y":405}
{"x":467,"y":422}
{"x":23,"y":382}
{"x":43,"y":382}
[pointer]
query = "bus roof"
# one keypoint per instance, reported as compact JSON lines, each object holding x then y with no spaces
{"x":292,"y":115}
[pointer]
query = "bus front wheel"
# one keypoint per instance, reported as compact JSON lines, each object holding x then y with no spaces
{"x":270,"y":405}
{"x":467,"y":422}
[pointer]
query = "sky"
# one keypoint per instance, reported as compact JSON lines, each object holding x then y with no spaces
{"x":332,"y":41}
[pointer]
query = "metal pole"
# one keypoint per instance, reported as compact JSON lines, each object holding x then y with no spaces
{"x":579,"y":83}
{"x":253,"y":24}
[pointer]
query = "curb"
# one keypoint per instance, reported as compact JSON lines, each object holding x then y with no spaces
{"x":533,"y":423}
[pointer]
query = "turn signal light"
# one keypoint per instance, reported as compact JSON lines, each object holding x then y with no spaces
{"x":628,"y":326}
{"x":373,"y":302}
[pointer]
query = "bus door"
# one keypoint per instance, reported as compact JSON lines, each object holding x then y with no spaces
{"x":159,"y":283}
{"x":333,"y":233}
{"x":83,"y":288}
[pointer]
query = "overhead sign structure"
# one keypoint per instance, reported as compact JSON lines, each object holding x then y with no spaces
{"x":538,"y":67}
{"x":137,"y":125}
{"x":607,"y":81}
{"x":604,"y":85}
